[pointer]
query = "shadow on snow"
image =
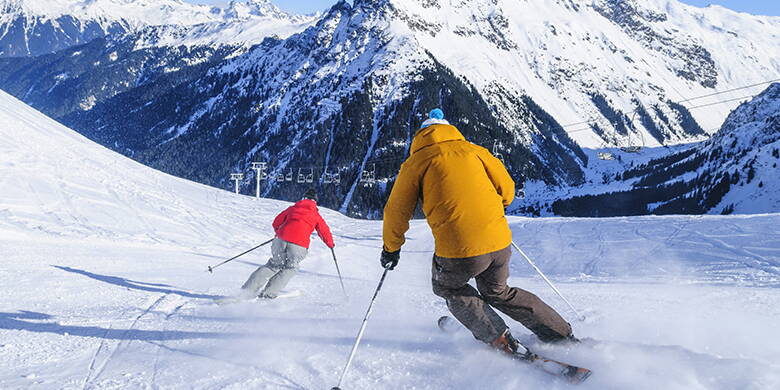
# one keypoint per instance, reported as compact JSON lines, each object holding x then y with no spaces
{"x":136,"y":285}
{"x":28,"y":321}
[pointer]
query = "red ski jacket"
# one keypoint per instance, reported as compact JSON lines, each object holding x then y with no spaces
{"x":296,"y":223}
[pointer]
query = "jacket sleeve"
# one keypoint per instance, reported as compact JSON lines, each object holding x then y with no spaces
{"x":280,"y":219}
{"x":500,"y":178}
{"x":400,"y":207}
{"x":324,"y":232}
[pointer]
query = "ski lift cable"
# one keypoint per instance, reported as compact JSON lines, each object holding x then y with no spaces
{"x":696,"y":98}
{"x":633,"y":113}
{"x":589,"y":123}
{"x":722,"y":101}
{"x":688,"y":108}
{"x":729,"y":90}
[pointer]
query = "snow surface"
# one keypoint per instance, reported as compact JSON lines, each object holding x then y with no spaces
{"x":104,"y":287}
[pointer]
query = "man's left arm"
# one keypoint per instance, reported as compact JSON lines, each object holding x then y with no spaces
{"x":500,"y":178}
{"x":324,"y":232}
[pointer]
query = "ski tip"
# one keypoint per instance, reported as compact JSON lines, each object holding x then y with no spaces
{"x":579,"y":375}
{"x":447,"y":324}
{"x":210,"y":271}
{"x":335,"y":388}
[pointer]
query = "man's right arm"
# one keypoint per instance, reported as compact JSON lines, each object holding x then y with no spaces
{"x":400,"y":207}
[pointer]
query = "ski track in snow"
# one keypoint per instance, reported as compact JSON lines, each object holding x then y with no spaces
{"x":105,"y":287}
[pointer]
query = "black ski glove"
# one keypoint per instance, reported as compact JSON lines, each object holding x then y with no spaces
{"x":390,"y":259}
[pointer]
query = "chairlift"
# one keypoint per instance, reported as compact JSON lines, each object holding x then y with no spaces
{"x":520,"y":189}
{"x":634,"y":145}
{"x":337,"y":178}
{"x":606,"y":156}
{"x":496,"y":152}
{"x":368,"y":178}
{"x":327,"y":178}
{"x":310,"y":176}
{"x":301,"y":177}
{"x":632,"y":142}
{"x":289,"y":176}
{"x":280,"y":176}
{"x":631,"y":149}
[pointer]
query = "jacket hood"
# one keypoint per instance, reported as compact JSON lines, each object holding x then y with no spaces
{"x":435,"y":134}
{"x":308,"y":203}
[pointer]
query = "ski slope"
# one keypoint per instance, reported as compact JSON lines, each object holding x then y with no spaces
{"x":104,"y":287}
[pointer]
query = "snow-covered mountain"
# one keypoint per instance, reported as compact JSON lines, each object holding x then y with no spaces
{"x":620,"y":64}
{"x":733,"y":172}
{"x":104,"y":285}
{"x":34,"y":27}
{"x":244,"y":23}
{"x":533,"y":81}
{"x":344,"y":96}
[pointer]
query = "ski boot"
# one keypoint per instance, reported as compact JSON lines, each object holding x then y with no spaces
{"x":506,"y":343}
{"x":266,"y":296}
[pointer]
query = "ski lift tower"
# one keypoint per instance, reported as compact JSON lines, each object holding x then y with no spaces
{"x":237,"y":177}
{"x":259,"y":168}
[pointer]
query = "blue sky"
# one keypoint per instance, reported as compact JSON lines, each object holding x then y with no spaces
{"x":758,"y":7}
{"x":761,"y":7}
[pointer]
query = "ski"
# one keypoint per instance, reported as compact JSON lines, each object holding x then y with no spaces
{"x":231,"y":299}
{"x":569,"y":373}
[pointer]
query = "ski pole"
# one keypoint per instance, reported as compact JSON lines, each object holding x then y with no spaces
{"x":333,"y":252}
{"x":211,"y":269}
{"x":581,"y":317}
{"x":360,"y":332}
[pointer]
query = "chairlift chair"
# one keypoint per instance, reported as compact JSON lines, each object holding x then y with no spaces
{"x":310,"y":176}
{"x":368,"y":178}
{"x":606,"y":156}
{"x":631,"y":149}
{"x":498,"y":154}
{"x":289,"y":176}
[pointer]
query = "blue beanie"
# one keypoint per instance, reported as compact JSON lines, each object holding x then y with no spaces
{"x":436,"y":113}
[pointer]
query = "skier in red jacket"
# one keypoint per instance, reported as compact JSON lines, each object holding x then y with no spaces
{"x":293,"y":229}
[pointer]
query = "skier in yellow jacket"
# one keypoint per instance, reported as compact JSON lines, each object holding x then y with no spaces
{"x":464,"y":190}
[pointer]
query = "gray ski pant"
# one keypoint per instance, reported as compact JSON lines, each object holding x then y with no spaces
{"x":472,"y":307}
{"x":277,"y":272}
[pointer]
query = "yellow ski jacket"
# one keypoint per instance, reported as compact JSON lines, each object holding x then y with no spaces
{"x":463,"y":190}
